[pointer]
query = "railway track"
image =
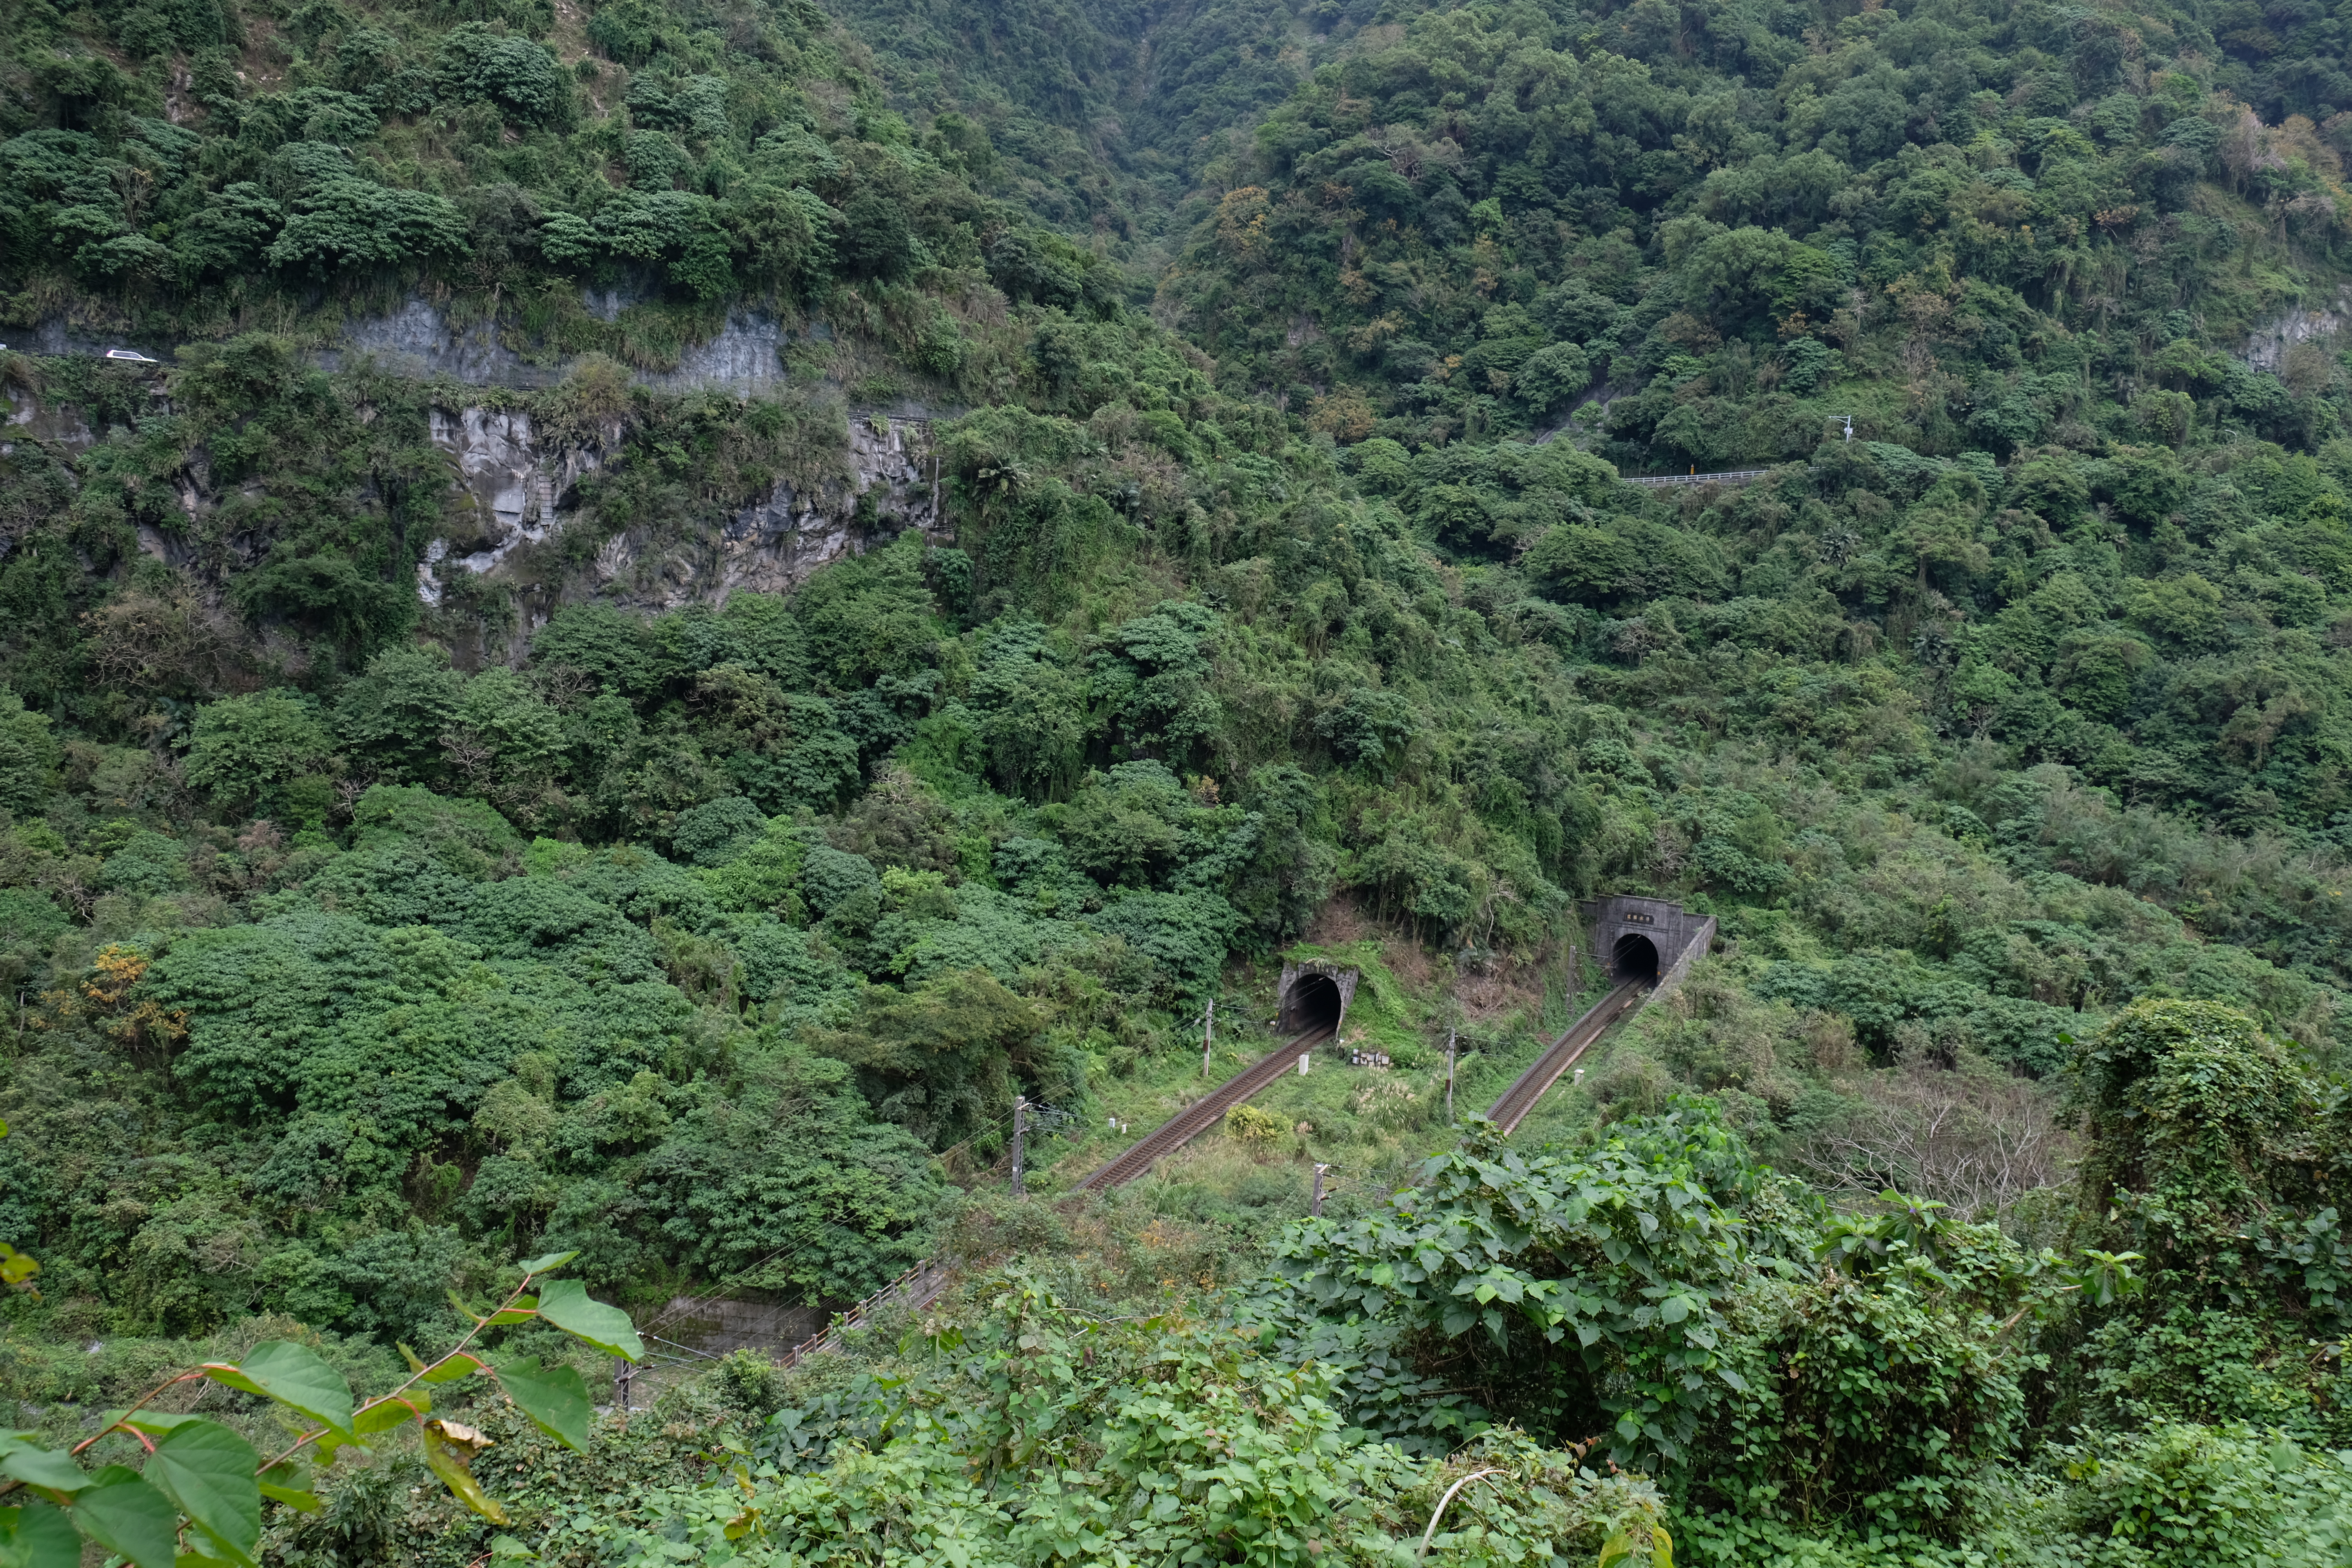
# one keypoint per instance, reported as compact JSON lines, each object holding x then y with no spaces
{"x":1520,"y":1098}
{"x":1205,"y":1112}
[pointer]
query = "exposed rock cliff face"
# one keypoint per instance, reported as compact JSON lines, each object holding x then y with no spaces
{"x":520,"y":487}
{"x":773,"y":544}
{"x":419,"y":339}
{"x":2267,"y":349}
{"x":512,"y":484}
{"x":515,"y":485}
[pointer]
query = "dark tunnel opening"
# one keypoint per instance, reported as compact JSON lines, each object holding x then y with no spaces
{"x":1636,"y":957}
{"x":1313,"y":1004}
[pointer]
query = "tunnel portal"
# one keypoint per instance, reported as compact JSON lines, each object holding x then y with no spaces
{"x":1314,"y":1004}
{"x":1636,"y":957}
{"x":1653,"y":940}
{"x":1314,"y":996}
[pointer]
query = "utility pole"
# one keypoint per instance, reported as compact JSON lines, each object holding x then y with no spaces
{"x":1208,"y":1035}
{"x":1020,"y":1126}
{"x":1319,"y":1190}
{"x":1449,"y":1076}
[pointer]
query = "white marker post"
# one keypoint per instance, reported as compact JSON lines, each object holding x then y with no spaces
{"x":1208,"y":1035}
{"x":1020,"y":1126}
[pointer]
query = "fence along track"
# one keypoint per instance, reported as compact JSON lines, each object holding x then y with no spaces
{"x":1520,"y":1098}
{"x":1667,"y":481}
{"x":918,"y":1287}
{"x":1204,"y":1113}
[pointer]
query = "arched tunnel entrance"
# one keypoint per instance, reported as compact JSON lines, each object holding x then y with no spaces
{"x":1312,"y":1002}
{"x":1635,"y":958}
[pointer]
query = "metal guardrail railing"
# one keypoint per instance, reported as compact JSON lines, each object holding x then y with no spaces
{"x":918,"y":1287}
{"x":1730,"y":476}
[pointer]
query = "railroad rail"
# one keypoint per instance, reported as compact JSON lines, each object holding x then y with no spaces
{"x":1520,"y":1098}
{"x":1205,"y":1112}
{"x":1729,"y":477}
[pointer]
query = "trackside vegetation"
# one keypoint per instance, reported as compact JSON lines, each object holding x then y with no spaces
{"x":432,"y":950}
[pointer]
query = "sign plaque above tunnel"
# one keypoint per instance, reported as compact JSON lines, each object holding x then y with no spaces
{"x":1636,"y":938}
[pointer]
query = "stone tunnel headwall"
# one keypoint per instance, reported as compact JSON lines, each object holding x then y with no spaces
{"x":1679,"y":936}
{"x":1286,"y":1017}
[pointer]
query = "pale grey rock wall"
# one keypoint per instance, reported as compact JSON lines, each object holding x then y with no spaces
{"x":516,"y":486}
{"x":2266,"y":348}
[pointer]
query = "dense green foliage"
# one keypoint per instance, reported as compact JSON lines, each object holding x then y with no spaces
{"x":204,"y":1481}
{"x":1977,"y":1201}
{"x":177,"y":172}
{"x":1043,"y":1436}
{"x":1973,"y":228}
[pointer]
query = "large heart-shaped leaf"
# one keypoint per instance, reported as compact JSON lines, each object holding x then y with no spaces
{"x":208,"y":1471}
{"x":45,"y":1468}
{"x":38,"y":1536}
{"x":127,"y":1516}
{"x":556,"y":1399}
{"x":295,"y":1377}
{"x":565,"y":1303}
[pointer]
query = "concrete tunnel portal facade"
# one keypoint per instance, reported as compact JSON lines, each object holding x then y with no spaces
{"x":1314,"y":996}
{"x":1648,"y":939}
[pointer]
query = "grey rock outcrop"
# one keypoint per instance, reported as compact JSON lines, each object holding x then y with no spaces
{"x":2267,"y":348}
{"x":891,"y":484}
{"x":518,"y":486}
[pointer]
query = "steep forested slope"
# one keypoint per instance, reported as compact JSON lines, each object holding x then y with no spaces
{"x":190,"y":171}
{"x":1968,"y":229}
{"x":375,"y":921}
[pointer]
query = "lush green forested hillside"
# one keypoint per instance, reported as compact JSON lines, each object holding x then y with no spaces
{"x":395,"y":889}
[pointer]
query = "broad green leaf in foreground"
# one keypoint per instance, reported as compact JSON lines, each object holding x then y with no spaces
{"x":37,"y":1535}
{"x":128,"y":1516}
{"x":43,"y":1468}
{"x":566,"y":1304}
{"x":208,"y":1471}
{"x":383,"y":1415}
{"x":556,"y":1399}
{"x":451,"y":1369}
{"x":293,"y":1375}
{"x":290,"y":1483}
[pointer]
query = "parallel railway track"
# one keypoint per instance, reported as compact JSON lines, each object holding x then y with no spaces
{"x":1205,"y":1112}
{"x":1520,"y":1098}
{"x":921,"y":1285}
